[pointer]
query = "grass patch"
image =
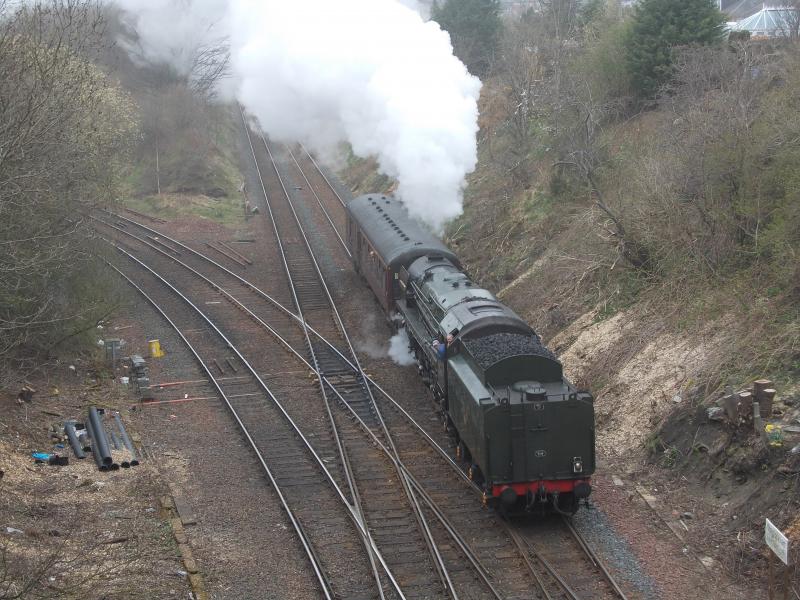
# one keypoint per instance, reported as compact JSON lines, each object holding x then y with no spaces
{"x":537,"y":204}
{"x":225,"y":211}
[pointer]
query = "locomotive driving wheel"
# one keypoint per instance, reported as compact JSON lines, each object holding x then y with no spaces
{"x":462,"y":452}
{"x":447,"y":423}
{"x":474,"y":474}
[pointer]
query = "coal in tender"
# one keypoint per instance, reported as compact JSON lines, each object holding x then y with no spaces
{"x":493,"y":348}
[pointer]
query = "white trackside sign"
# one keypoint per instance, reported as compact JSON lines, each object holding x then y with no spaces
{"x":778,"y":542}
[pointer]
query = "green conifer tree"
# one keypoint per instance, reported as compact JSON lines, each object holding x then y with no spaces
{"x":660,"y":25}
{"x":474,"y":28}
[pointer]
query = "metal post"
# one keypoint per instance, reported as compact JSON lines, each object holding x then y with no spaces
{"x":786,"y":582}
{"x":771,"y":576}
{"x":112,"y":346}
{"x":158,"y":173}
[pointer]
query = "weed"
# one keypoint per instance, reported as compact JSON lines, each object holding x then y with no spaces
{"x":670,"y":457}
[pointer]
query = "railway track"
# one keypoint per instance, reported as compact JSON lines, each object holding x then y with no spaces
{"x":394,"y":511}
{"x":415,"y":582}
{"x":533,"y":542}
{"x":493,"y":548}
{"x":491,"y":543}
{"x":296,"y":470}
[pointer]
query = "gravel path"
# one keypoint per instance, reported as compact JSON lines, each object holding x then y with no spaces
{"x":242,"y":539}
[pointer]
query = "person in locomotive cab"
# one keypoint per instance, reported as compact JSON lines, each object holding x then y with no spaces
{"x":441,"y":347}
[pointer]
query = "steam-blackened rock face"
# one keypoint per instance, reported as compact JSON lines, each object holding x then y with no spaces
{"x":493,"y":348}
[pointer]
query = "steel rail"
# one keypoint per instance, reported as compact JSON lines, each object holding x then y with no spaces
{"x":324,"y":210}
{"x":258,"y":291}
{"x":595,"y":559}
{"x":327,"y":587}
{"x":427,"y":535}
{"x":432,"y":505}
{"x":351,"y":483}
{"x":352,"y":511}
{"x":416,"y":426}
{"x":525,"y":548}
{"x":330,"y":185}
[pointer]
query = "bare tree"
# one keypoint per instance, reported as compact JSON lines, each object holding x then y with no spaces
{"x":788,"y":20}
{"x":201,"y":64}
{"x":210,"y":65}
{"x":63,"y":131}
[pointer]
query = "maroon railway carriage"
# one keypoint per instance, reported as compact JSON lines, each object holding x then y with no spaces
{"x":384,"y":239}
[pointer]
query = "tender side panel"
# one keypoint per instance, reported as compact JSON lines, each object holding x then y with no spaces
{"x":465,"y":390}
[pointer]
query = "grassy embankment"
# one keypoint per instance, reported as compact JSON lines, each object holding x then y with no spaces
{"x":198,"y":171}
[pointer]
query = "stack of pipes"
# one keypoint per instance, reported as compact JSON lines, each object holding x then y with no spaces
{"x":110,"y":449}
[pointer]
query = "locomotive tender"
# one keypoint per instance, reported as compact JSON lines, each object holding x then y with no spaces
{"x":526,"y":432}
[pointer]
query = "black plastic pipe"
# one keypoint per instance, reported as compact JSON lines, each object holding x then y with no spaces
{"x":99,"y":436}
{"x":114,"y":439}
{"x":72,"y":436}
{"x":98,"y":461}
{"x":69,"y":429}
{"x":126,"y":440}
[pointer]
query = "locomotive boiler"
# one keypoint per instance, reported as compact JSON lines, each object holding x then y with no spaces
{"x":525,"y":432}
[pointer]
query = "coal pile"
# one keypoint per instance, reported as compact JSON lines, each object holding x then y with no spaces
{"x":494,"y":348}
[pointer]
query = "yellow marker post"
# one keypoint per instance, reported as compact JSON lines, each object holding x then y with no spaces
{"x":155,"y":349}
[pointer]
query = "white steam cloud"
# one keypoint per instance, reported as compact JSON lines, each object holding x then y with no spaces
{"x":170,"y":31}
{"x":399,"y":349}
{"x":369,"y":72}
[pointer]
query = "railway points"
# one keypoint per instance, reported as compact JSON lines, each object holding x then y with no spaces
{"x":462,"y":513}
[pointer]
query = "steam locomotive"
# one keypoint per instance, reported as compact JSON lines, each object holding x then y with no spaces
{"x":525,"y":432}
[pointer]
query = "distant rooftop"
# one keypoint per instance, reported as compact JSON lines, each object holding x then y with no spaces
{"x":770,"y":22}
{"x":734,"y":9}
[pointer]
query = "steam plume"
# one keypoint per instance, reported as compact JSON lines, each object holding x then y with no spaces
{"x":369,"y":72}
{"x":399,"y":350}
